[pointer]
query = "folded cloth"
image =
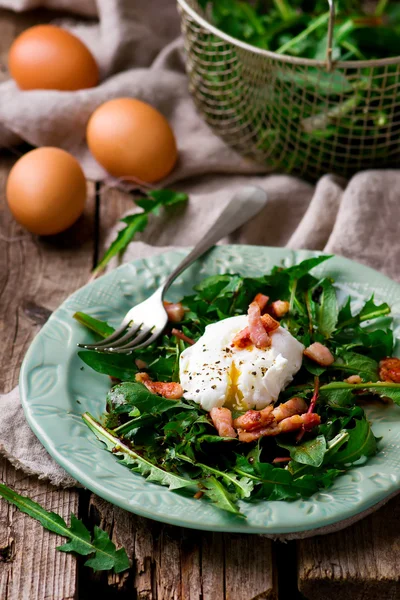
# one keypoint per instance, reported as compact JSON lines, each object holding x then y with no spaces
{"x":139,"y":56}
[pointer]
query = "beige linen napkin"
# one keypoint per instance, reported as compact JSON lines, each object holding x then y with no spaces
{"x":139,"y":56}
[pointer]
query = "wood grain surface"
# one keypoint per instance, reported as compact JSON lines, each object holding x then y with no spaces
{"x":361,"y":562}
{"x":35,"y":276}
{"x":168,"y":563}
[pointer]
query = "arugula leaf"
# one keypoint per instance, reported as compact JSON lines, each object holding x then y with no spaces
{"x":303,"y":268}
{"x":95,"y":325}
{"x":327,"y":309}
{"x":345,"y":314}
{"x":105,"y":556}
{"x":369,"y":311}
{"x":274,"y":483}
{"x":357,"y":364}
{"x":311,"y":452}
{"x":376,"y":344}
{"x":121,"y":366}
{"x":137,"y":395}
{"x":133,"y":460}
{"x":138,"y":222}
{"x":105,"y":547}
{"x":167,"y":197}
{"x":360,"y":443}
{"x":341,"y":393}
{"x":244,"y":485}
{"x":133,"y":225}
{"x":219,"y":495}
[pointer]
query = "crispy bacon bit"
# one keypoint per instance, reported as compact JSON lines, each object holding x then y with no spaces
{"x":353,"y":379}
{"x":308,"y":421}
{"x":294,"y":406}
{"x":179,"y":334}
{"x":269,"y":323}
{"x":175,"y":311}
{"x":258,"y":335}
{"x":261,"y":300}
{"x":389,"y":369}
{"x":169,"y":390}
{"x":222,"y":421}
{"x":319,"y":354}
{"x":279,"y":308}
{"x":255,"y":418}
{"x":140,"y":363}
{"x":242,"y":339}
{"x":281,"y":459}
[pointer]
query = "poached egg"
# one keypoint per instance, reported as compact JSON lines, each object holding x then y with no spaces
{"x":214,"y":374}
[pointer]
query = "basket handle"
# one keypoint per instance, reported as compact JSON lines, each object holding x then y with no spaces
{"x":331,"y":24}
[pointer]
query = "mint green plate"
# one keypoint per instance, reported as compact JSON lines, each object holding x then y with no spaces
{"x":56,"y":389}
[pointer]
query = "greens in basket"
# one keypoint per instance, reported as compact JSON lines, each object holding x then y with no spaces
{"x":300,"y":27}
{"x":343,"y":117}
{"x":254,"y":392}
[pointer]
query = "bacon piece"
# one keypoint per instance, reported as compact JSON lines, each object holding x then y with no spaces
{"x":319,"y":354}
{"x":140,"y":363}
{"x":175,"y":311}
{"x":255,"y":418}
{"x":222,"y":421}
{"x":179,"y":334}
{"x":269,"y":323}
{"x":294,"y":406}
{"x":242,"y":339}
{"x":353,"y":379}
{"x":389,"y":369}
{"x":258,"y":335}
{"x":169,"y":390}
{"x":308,"y":421}
{"x":261,"y":300}
{"x":279,"y":308}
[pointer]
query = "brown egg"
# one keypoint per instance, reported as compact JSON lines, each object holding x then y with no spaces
{"x":46,"y":190}
{"x":130,"y":138}
{"x":50,"y":58}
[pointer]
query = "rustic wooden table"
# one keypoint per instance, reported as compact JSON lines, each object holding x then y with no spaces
{"x":36,"y":275}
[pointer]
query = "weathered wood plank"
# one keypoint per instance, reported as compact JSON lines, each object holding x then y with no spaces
{"x":361,"y":562}
{"x":30,"y":566}
{"x":35,"y":276}
{"x":168,"y":564}
{"x":191,"y":575}
{"x":249,"y":568}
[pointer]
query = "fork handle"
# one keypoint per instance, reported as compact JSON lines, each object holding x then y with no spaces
{"x":244,"y":205}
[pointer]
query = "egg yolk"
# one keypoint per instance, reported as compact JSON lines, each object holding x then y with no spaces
{"x":234,"y":397}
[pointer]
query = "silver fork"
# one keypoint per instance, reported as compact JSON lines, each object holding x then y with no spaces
{"x":145,"y":322}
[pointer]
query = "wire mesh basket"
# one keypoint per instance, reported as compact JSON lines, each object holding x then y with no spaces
{"x":292,"y":114}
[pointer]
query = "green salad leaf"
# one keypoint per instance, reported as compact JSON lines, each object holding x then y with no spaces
{"x":151,"y":204}
{"x":102,"y":551}
{"x":120,"y":366}
{"x":133,"y":460}
{"x":103,"y":329}
{"x":174,"y":442}
{"x":311,"y":452}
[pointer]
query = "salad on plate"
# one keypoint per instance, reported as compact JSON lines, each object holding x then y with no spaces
{"x":256,"y":390}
